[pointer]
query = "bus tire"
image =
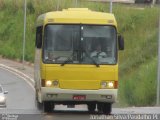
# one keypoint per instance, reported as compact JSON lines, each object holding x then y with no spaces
{"x":99,"y":108}
{"x":39,"y":105}
{"x":48,"y":106}
{"x":91,"y":107}
{"x":107,"y":108}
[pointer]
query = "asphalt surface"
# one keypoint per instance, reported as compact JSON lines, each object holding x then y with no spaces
{"x":21,"y":104}
{"x":20,"y":95}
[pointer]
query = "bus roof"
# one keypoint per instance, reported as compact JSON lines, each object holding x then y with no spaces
{"x":76,"y":16}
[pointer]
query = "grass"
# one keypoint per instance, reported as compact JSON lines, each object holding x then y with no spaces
{"x":138,"y":88}
{"x":138,"y":62}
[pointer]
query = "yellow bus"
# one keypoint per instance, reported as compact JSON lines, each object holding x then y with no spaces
{"x":76,"y":59}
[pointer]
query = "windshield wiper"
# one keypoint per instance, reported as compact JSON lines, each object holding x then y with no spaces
{"x":68,"y":59}
{"x":93,"y":60}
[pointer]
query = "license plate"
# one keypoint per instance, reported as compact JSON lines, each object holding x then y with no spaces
{"x":70,"y":106}
{"x":79,"y":97}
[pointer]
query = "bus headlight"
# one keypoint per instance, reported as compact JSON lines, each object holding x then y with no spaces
{"x":110,"y":84}
{"x":52,"y":83}
{"x":55,"y":83}
{"x":107,"y":84}
{"x":48,"y":83}
{"x":103,"y":84}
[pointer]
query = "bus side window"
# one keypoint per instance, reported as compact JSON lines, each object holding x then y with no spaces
{"x":39,"y":37}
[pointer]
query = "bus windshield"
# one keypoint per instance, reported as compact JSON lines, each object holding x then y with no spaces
{"x":79,"y":44}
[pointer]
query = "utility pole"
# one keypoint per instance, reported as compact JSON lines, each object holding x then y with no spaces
{"x":153,"y":2}
{"x":158,"y":77}
{"x":58,"y":3}
{"x":76,"y":3}
{"x":24,"y":33}
{"x":110,"y":6}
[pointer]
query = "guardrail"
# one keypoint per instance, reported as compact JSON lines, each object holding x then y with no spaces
{"x":128,"y":1}
{"x":115,"y":1}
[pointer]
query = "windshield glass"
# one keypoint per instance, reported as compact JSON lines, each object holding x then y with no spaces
{"x":79,"y":44}
{"x":60,"y":41}
{"x":100,"y":43}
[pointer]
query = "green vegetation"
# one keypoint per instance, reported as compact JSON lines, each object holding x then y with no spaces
{"x":139,"y":87}
{"x":138,"y":63}
{"x":138,"y":68}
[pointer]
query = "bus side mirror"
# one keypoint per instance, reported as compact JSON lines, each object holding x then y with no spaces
{"x":38,"y":43}
{"x":39,"y":37}
{"x":120,"y":42}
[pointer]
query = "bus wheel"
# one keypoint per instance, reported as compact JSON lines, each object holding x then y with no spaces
{"x":107,"y":108}
{"x":48,"y":106}
{"x":91,"y":107}
{"x":99,"y":107}
{"x":39,"y":105}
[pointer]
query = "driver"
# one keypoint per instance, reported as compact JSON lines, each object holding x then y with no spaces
{"x":98,"y":53}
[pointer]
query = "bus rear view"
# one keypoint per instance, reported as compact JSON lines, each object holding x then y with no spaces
{"x":76,"y":60}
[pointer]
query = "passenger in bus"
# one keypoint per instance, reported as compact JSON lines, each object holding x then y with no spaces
{"x":98,"y":53}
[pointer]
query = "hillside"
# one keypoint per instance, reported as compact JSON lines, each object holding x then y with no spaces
{"x":138,"y":63}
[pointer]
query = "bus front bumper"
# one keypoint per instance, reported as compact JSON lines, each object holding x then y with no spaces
{"x":60,"y":95}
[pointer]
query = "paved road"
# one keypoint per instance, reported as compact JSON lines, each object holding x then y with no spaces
{"x":21,"y":106}
{"x":21,"y":95}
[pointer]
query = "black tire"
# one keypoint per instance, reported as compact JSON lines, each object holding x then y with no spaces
{"x":39,"y":105}
{"x":48,"y":106}
{"x":91,"y":107}
{"x":100,"y":107}
{"x":107,"y":108}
